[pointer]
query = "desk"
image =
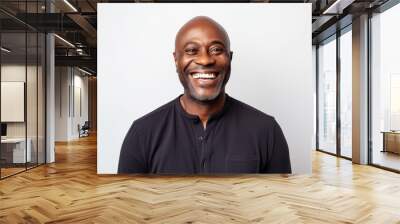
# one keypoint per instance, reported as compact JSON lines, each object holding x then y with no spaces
{"x":391,"y":141}
{"x":15,"y":148}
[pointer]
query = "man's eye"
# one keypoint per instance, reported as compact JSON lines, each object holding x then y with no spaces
{"x":217,"y":50}
{"x":191,"y":51}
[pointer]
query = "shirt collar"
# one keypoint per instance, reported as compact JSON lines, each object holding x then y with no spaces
{"x":195,"y":118}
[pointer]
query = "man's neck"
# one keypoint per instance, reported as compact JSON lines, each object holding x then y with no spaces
{"x":202,"y":110}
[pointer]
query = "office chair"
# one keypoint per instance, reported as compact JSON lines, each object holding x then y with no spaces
{"x":84,"y":130}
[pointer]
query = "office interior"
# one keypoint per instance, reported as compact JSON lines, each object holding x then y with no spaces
{"x":49,"y":93}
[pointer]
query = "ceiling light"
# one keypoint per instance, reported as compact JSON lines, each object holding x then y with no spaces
{"x":5,"y":50}
{"x":84,"y":71}
{"x":338,"y":6}
{"x":70,"y":5}
{"x":64,"y":40}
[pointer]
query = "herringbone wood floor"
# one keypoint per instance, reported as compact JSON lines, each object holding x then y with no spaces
{"x":70,"y":191}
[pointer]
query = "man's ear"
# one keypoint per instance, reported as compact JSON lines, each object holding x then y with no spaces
{"x":176,"y":62}
{"x":175,"y":59}
{"x":231,"y":55}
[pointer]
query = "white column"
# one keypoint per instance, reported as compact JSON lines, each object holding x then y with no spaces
{"x":50,"y":92}
{"x":360,"y":90}
{"x":50,"y":110}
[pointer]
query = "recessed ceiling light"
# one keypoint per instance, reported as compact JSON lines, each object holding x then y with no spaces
{"x":84,"y":71}
{"x":64,"y":40}
{"x":5,"y":50}
{"x":338,"y":6}
{"x":70,"y":5}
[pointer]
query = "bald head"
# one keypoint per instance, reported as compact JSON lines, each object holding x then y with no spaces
{"x":203,"y":59}
{"x":201,"y":23}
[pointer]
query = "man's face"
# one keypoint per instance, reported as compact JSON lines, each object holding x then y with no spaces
{"x":203,"y":60}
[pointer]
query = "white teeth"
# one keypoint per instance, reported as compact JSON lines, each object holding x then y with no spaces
{"x":203,"y":76}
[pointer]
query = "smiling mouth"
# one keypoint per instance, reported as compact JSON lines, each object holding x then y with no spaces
{"x":204,"y":75}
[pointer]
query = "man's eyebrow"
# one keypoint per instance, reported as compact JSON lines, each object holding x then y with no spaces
{"x":212,"y":42}
{"x":218,"y":42}
{"x":190,"y":42}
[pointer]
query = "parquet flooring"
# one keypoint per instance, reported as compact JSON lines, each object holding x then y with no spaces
{"x":10,"y":171}
{"x":70,"y":191}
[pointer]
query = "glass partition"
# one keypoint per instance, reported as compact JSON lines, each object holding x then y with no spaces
{"x":327,"y":96}
{"x":13,"y":95}
{"x":22,"y":77}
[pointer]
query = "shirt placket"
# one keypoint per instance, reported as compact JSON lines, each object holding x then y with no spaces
{"x":201,"y":136}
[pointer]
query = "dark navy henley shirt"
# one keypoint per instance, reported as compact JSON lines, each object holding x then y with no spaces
{"x":238,"y":139}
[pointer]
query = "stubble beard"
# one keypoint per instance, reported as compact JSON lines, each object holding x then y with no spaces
{"x":201,"y":98}
{"x":190,"y":91}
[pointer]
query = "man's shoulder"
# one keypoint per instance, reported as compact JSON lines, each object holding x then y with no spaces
{"x":251,"y":119}
{"x":155,"y":116}
{"x":245,"y":110}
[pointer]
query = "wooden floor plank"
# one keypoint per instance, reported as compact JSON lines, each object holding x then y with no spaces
{"x":70,"y":191}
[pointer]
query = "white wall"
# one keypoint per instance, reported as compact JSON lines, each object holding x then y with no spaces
{"x":12,"y":101}
{"x":271,"y":67}
{"x":61,"y":103}
{"x":15,"y":73}
{"x":68,"y":81}
{"x":80,"y":84}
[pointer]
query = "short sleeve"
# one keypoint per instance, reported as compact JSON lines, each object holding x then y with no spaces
{"x":278,"y":152}
{"x":132,"y":157}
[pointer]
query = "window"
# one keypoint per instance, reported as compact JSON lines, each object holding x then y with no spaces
{"x":346,"y":93}
{"x":327,"y":96}
{"x":385,"y":88}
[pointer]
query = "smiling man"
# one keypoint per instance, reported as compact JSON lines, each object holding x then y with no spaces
{"x":204,"y":130}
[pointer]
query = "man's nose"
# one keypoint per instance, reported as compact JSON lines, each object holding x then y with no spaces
{"x":204,"y":58}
